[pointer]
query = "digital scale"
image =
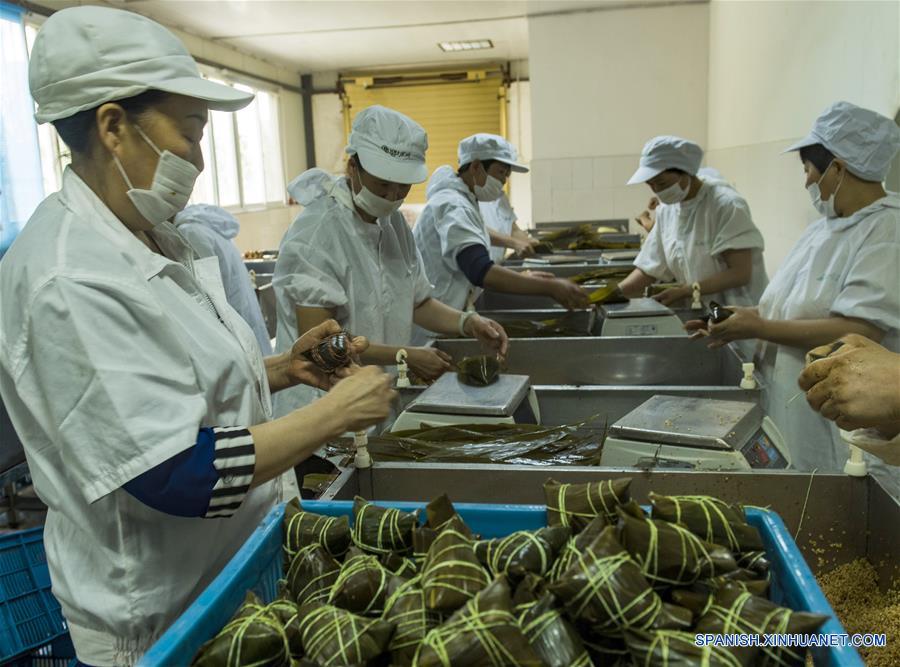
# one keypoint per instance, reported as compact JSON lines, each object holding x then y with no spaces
{"x":509,"y":400}
{"x":695,"y":434}
{"x":640,"y":317}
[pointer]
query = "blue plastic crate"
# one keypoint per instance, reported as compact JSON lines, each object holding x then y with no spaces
{"x":258,"y":566}
{"x":30,"y":617}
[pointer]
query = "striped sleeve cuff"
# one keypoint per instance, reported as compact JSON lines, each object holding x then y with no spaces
{"x":235,"y":459}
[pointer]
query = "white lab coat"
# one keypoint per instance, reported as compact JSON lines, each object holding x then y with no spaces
{"x":111,"y":360}
{"x":450,"y":221}
{"x":499,"y":216}
{"x":213,"y":238}
{"x":688,"y":239}
{"x":370,"y":275}
{"x":847,"y":267}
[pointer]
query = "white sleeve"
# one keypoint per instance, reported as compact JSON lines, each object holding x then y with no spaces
{"x":735,"y":229}
{"x":307,"y":275}
{"x":458,"y":227}
{"x":652,"y":257}
{"x":423,"y":287}
{"x":870,"y":291}
{"x":113,"y":376}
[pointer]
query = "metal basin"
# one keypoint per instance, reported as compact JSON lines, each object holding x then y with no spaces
{"x":845,"y":518}
{"x":569,"y":270}
{"x":260,"y":265}
{"x":582,"y":321}
{"x":619,"y":223}
{"x":647,"y":360}
{"x":588,"y":322}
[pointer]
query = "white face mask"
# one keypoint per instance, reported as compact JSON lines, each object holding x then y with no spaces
{"x":490,"y":191}
{"x":372,"y":204}
{"x":673,"y":194}
{"x":173,"y":182}
{"x":824,"y":207}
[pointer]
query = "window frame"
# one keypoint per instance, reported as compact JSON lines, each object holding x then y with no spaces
{"x":61,"y":156}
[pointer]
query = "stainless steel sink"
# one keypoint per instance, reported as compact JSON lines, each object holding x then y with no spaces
{"x":646,"y":360}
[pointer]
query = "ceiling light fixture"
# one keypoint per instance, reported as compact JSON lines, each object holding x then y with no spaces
{"x":471,"y":45}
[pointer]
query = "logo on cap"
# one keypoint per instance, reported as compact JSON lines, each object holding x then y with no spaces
{"x":393,"y":152}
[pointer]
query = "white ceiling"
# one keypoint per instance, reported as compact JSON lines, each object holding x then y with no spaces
{"x":326,"y":35}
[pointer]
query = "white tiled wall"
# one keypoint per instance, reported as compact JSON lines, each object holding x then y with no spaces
{"x":773,"y":185}
{"x":585,"y":188}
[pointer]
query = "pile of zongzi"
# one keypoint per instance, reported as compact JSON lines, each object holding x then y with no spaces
{"x":604,"y":583}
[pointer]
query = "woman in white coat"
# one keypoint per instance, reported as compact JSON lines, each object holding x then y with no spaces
{"x":140,"y":396}
{"x":703,"y":231}
{"x":841,"y":277}
{"x":350,"y":255}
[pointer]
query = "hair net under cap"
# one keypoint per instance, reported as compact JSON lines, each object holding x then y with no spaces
{"x":389,"y":145}
{"x":85,"y":56}
{"x":489,"y":147}
{"x":667,"y":152}
{"x":864,"y":139}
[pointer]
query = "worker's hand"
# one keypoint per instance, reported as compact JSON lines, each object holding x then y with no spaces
{"x":546,"y":275}
{"x":300,"y":370}
{"x":673,"y":295}
{"x":569,"y":295}
{"x":745,"y":323}
{"x":857,"y":386}
{"x":647,"y":218}
{"x":361,"y":400}
{"x":428,"y":363}
{"x":523,"y":247}
{"x":489,"y":333}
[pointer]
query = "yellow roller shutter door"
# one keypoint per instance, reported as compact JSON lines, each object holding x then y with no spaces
{"x":448,"y":112}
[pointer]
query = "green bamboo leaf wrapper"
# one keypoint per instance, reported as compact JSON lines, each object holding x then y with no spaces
{"x":669,"y":554}
{"x":361,"y":585}
{"x":302,"y":528}
{"x":288,"y":614}
{"x":672,"y":648}
{"x":484,"y":632}
{"x":523,"y":552}
{"x":479,"y":371}
{"x":552,"y":637}
{"x":335,"y":637}
{"x":575,"y":505}
{"x":735,"y":611}
{"x":254,"y":637}
{"x":405,"y":607}
{"x":381,"y":530}
{"x":709,"y":519}
{"x":575,"y":545}
{"x":311,"y":575}
{"x":452,"y":574}
{"x":606,"y":591}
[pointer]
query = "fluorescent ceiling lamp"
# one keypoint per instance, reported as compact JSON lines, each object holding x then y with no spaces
{"x":472,"y":45}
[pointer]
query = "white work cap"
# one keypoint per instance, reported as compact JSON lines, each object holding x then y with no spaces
{"x":86,"y":56}
{"x":489,"y":147}
{"x":213,"y":217}
{"x":666,"y":152}
{"x":389,"y":145}
{"x":865,"y":140}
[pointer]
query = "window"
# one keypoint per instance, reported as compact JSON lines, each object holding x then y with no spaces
{"x":21,"y":178}
{"x":241,"y":151}
{"x":243,"y":154}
